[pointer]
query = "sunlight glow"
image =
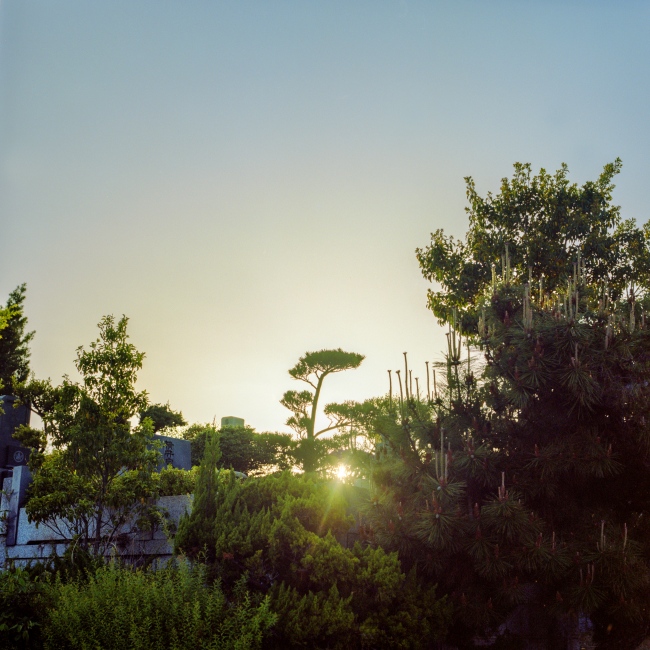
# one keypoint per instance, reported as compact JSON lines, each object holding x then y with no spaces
{"x":342,"y":472}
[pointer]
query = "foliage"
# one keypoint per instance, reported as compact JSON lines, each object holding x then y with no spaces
{"x":162,"y":416}
{"x":168,"y":608}
{"x":312,"y":368}
{"x":173,"y":481}
{"x":243,"y":449}
{"x":195,"y":531}
{"x":14,"y":342}
{"x":24,"y":600}
{"x":522,"y":480}
{"x":545,"y":223}
{"x":99,"y":473}
{"x":506,"y":497}
{"x":280,"y":532}
{"x":197,"y":434}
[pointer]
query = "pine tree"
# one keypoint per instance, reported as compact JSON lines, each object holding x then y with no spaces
{"x":521,"y":481}
{"x":530,"y":484}
{"x":279,"y":533}
{"x":312,"y":368}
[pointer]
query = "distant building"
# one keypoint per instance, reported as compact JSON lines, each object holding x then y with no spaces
{"x":232,"y":421}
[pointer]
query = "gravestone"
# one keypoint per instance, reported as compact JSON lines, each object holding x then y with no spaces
{"x":12,"y":453}
{"x":14,"y":474}
{"x":175,"y":452}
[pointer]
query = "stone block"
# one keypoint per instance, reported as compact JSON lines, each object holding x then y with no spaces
{"x":4,"y":504}
{"x":31,"y":532}
{"x":17,"y":495}
{"x":175,"y":452}
{"x":174,"y":507}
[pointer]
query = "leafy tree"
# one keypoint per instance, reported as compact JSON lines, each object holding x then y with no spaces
{"x":312,"y":368}
{"x":198,"y":434}
{"x":539,"y":225}
{"x":100,"y":468}
{"x":14,"y":342}
{"x":162,"y":416}
{"x":243,"y":449}
{"x":521,"y":483}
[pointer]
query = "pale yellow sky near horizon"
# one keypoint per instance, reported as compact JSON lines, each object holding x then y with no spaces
{"x":248,"y":182}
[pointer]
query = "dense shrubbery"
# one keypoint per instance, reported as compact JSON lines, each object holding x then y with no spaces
{"x":268,"y":572}
{"x":175,"y":481}
{"x":24,"y":598}
{"x":169,"y":608}
{"x":279,"y":533}
{"x":116,"y":608}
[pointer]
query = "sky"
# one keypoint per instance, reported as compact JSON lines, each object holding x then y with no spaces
{"x":249,"y":181}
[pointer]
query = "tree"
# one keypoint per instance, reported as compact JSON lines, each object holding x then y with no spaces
{"x":195,"y":532}
{"x":198,"y":435}
{"x":243,"y":449}
{"x":538,"y":226}
{"x":523,"y":483}
{"x":162,"y":416}
{"x":99,"y":472}
{"x":14,"y":342}
{"x":312,"y":368}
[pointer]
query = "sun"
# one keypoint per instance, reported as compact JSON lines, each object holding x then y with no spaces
{"x":341,"y":472}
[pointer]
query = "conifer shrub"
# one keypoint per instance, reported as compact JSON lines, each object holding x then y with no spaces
{"x":279,"y":534}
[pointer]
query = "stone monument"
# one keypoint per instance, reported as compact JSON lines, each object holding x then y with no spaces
{"x":14,"y":473}
{"x":176,"y":452}
{"x":12,"y":453}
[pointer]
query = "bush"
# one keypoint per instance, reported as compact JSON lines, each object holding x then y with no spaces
{"x":171,"y":608}
{"x":23,"y":603}
{"x":176,"y":481}
{"x":279,"y":533}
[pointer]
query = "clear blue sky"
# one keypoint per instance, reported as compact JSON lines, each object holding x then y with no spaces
{"x":248,"y":181}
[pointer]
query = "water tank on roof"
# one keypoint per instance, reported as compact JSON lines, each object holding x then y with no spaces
{"x":232,"y":421}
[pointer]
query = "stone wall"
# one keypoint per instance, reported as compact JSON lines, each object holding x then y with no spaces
{"x":22,"y":542}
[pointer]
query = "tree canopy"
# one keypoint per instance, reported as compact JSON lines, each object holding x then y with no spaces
{"x":162,"y":416}
{"x":538,"y":225}
{"x":100,"y":467}
{"x":243,"y":449}
{"x":520,"y":484}
{"x":14,"y":342}
{"x":312,"y":368}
